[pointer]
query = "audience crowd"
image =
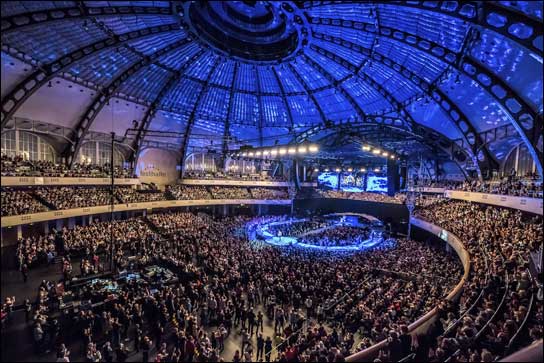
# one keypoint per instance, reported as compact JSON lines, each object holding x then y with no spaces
{"x":184,"y":192}
{"x":299,"y":227}
{"x":73,"y":196}
{"x":230,"y":287}
{"x":15,"y":202}
{"x":229,"y":192}
{"x":41,"y":199}
{"x":497,"y":296}
{"x":520,"y":187}
{"x":366,"y":196}
{"x":337,"y":236}
{"x":269,"y":193}
{"x":19,"y":166}
{"x":193,"y":174}
{"x":130,"y":195}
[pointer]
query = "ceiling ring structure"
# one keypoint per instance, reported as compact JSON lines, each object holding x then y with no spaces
{"x":253,"y":31}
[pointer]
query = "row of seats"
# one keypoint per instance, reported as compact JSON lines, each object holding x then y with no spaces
{"x":366,"y":196}
{"x":381,"y":303}
{"x":383,"y":298}
{"x":232,"y":176}
{"x":499,"y":292}
{"x":521,"y":187}
{"x":16,"y":201}
{"x":18,"y":166}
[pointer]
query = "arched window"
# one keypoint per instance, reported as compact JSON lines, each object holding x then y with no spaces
{"x":241,"y":167}
{"x":201,"y":162}
{"x":99,"y":153}
{"x":27,"y":145}
{"x":519,"y":160}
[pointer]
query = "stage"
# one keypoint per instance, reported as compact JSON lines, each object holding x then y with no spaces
{"x":265,"y":232}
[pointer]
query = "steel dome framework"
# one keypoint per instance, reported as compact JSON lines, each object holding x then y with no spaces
{"x":446,"y":74}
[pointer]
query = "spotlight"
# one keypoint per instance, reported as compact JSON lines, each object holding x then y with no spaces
{"x":244,"y":154}
{"x":251,"y":154}
{"x":326,"y":169}
{"x":302,"y":149}
{"x":313,"y":148}
{"x":283,"y":151}
{"x":273,"y":152}
{"x":392,"y":156}
{"x":266,"y":152}
{"x":258,"y":153}
{"x":385,"y":153}
{"x":316,"y":170}
{"x":292,"y":150}
{"x":362,"y":170}
{"x":338,"y":170}
{"x":366,"y":148}
{"x":376,"y":151}
{"x":350,"y":170}
{"x":377,"y":170}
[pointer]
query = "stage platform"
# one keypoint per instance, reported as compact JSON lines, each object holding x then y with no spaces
{"x":263,"y":231}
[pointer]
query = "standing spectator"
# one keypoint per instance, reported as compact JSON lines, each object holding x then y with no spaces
{"x":146,"y":347}
{"x":268,"y":348}
{"x":24,"y":271}
{"x":260,"y":346}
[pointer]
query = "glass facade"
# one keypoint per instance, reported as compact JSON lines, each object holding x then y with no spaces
{"x":95,"y":152}
{"x":27,"y":145}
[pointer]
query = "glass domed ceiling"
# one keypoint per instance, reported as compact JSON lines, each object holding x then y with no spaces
{"x":258,"y":71}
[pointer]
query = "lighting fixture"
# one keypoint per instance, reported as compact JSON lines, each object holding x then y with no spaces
{"x":258,"y":153}
{"x":316,"y":170}
{"x":273,"y":152}
{"x":251,"y":153}
{"x":337,"y":170}
{"x":392,"y":156}
{"x":283,"y":151}
{"x":266,"y":152}
{"x":362,"y":170}
{"x":313,"y":148}
{"x":292,"y":150}
{"x":385,"y":153}
{"x":377,"y":170}
{"x":366,"y":148}
{"x":302,"y":149}
{"x":244,"y":154}
{"x":376,"y":151}
{"x":326,"y":169}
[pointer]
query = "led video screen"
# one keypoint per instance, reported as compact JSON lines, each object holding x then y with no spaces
{"x":376,"y":184}
{"x":327,"y":180}
{"x":350,"y":182}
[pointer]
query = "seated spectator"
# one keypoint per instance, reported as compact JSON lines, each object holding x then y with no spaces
{"x":18,"y":166}
{"x":20,"y":201}
{"x":74,"y":197}
{"x":185,"y":192}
